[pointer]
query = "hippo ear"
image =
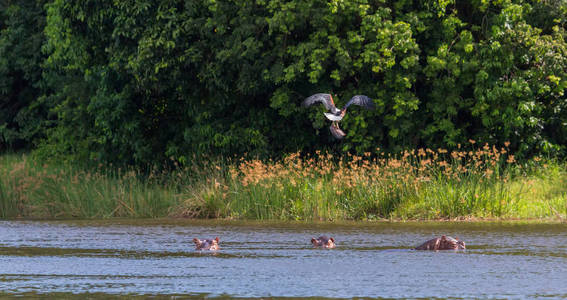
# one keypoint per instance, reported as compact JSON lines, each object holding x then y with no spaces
{"x":443,"y":238}
{"x":332,"y":239}
{"x":217,"y":239}
{"x":456,"y":238}
{"x":196,"y":241}
{"x":313,"y":241}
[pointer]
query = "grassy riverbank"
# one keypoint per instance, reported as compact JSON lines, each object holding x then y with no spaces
{"x":422,"y":184}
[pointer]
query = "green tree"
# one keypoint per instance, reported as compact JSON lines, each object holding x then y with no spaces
{"x":141,"y":82}
{"x":21,"y":37}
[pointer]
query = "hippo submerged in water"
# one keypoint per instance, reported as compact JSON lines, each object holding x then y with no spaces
{"x":324,"y":242}
{"x":206,"y":244}
{"x":443,"y":243}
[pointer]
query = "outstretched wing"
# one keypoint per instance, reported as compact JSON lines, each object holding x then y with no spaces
{"x":361,"y":100}
{"x":326,"y":99}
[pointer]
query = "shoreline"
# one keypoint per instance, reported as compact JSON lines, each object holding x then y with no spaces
{"x":482,"y":186}
{"x":245,"y":222}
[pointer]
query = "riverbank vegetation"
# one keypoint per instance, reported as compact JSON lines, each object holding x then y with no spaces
{"x":486,"y":183}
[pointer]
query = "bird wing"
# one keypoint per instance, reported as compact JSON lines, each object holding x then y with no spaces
{"x":361,"y":100}
{"x":326,"y":99}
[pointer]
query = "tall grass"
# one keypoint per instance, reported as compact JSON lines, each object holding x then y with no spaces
{"x":33,"y":190}
{"x":484,"y":182}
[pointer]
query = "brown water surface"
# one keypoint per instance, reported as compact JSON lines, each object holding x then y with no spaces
{"x":268,"y":259}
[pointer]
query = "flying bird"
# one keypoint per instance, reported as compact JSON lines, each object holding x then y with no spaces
{"x":335,"y":114}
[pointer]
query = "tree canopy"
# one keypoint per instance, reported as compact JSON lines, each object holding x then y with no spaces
{"x":137,"y":82}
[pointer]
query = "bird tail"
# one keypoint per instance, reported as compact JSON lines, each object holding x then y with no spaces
{"x":337,"y":132}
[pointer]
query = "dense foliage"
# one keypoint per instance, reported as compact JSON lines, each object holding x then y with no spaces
{"x":142,"y":81}
{"x":21,"y":38}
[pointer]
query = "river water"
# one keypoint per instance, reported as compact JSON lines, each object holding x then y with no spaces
{"x":267,"y":259}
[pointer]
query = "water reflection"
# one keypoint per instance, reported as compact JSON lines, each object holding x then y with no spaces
{"x":267,"y":259}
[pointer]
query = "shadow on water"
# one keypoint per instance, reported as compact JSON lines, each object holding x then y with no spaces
{"x":96,"y":296}
{"x":40,"y":251}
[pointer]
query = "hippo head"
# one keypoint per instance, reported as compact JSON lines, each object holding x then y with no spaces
{"x":442,"y":243}
{"x":460,"y":244}
{"x":449,"y":243}
{"x":324,"y":242}
{"x":206,"y":244}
